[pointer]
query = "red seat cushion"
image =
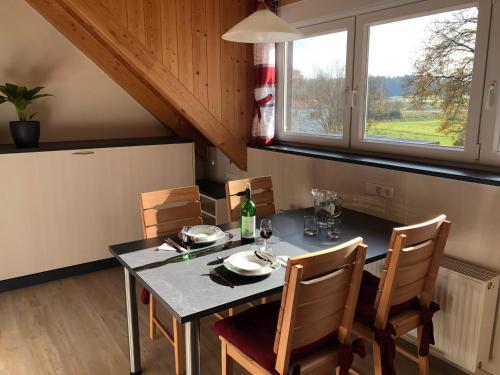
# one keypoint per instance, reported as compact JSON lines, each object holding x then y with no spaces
{"x":365,"y":310}
{"x":253,"y":330}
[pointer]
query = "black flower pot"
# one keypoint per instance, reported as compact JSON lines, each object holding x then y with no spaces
{"x":25,"y":133}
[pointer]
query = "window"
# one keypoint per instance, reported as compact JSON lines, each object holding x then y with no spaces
{"x":416,"y":86}
{"x":419,"y":73}
{"x":419,"y":79}
{"x":317,"y":85}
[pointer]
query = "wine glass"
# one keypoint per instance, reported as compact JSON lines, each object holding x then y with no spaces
{"x":266,"y":231}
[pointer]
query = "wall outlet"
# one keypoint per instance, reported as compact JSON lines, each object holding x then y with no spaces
{"x":379,"y":190}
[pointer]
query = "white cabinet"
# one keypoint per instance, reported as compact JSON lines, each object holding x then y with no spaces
{"x":213,"y":210}
{"x":213,"y":202}
{"x":61,"y":208}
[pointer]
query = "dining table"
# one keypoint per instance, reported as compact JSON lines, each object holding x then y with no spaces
{"x":187,"y":288}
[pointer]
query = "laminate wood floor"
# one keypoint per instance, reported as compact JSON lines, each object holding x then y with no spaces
{"x":77,"y":326}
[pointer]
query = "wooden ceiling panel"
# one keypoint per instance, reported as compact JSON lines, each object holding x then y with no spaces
{"x":173,"y":48}
{"x":214,"y":58}
{"x":136,"y":19}
{"x":169,"y":36}
{"x":153,"y":28}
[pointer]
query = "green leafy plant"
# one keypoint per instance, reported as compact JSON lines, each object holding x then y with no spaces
{"x":21,"y":97}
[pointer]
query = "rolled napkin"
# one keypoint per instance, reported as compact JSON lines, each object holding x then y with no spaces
{"x":166,"y":247}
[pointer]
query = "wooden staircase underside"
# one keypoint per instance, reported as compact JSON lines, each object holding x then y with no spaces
{"x":169,"y":56}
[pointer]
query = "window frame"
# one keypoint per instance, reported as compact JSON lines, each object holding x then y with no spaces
{"x":470,"y":152}
{"x":490,"y":121}
{"x":385,"y":13}
{"x":284,"y":58}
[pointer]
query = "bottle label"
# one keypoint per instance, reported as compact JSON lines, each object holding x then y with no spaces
{"x":248,"y":227}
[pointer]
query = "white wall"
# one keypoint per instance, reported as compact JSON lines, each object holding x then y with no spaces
{"x":87,"y":103}
{"x":219,"y":168}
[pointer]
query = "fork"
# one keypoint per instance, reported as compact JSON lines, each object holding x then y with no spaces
{"x":219,"y":275}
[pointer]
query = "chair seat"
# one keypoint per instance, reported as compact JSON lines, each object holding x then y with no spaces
{"x":403,"y":317}
{"x":253,"y":331}
{"x":402,"y":323}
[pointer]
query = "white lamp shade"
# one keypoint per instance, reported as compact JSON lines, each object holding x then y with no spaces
{"x":263,"y":26}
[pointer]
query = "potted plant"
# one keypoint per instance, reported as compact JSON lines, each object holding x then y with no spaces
{"x":26,"y":132}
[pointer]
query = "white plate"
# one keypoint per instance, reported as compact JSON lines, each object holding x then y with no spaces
{"x":204,"y":233}
{"x":246,"y":263}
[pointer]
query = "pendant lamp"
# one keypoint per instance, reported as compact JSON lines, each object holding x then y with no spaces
{"x":262,"y":26}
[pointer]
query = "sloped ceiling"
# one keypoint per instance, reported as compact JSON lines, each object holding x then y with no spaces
{"x":169,"y":56}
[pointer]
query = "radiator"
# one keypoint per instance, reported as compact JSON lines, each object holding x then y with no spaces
{"x":463,"y":328}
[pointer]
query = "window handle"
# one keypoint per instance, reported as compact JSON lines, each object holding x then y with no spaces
{"x":354,"y":97}
{"x":346,"y":95}
{"x":83,"y":153}
{"x":490,"y":98}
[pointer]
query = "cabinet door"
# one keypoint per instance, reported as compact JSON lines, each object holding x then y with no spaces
{"x":47,"y":201}
{"x":64,"y":208}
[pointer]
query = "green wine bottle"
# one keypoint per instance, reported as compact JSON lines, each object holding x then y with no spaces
{"x":247,"y":212}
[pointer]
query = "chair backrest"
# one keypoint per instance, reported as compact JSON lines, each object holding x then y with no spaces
{"x":319,"y":298}
{"x":411,"y":265}
{"x":167,"y":211}
{"x":262,"y":196}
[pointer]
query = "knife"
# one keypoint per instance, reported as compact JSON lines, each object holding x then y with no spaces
{"x":184,"y":256}
{"x":179,"y":248}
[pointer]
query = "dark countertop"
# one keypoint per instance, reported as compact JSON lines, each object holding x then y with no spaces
{"x":92,"y":143}
{"x":450,"y":172}
{"x":187,"y":291}
{"x":213,"y":189}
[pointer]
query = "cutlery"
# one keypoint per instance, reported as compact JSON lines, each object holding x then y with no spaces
{"x":218,"y":260}
{"x":185,"y":255}
{"x":267,"y":257}
{"x":180,"y":249}
{"x":261,"y":257}
{"x":220,"y":276}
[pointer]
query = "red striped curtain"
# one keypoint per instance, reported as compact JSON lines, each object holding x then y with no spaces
{"x":265,"y":81}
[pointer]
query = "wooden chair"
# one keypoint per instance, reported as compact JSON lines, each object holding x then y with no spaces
{"x":312,"y":324}
{"x":405,"y":287}
{"x":262,"y":196}
{"x":165,"y":212}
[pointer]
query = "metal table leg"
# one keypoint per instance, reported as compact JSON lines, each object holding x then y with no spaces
{"x":192,"y":332}
{"x":133,"y":326}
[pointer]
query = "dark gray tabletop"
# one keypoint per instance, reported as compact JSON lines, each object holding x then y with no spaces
{"x":188,"y":292}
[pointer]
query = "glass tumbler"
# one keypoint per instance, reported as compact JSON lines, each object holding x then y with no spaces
{"x":310,"y":226}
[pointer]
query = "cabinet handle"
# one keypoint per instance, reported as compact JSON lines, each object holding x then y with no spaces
{"x":83,"y":153}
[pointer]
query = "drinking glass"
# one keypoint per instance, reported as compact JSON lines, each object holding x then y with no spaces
{"x":187,"y":240}
{"x":338,"y":209}
{"x":333,"y":226}
{"x":310,"y":226}
{"x":266,"y":231}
